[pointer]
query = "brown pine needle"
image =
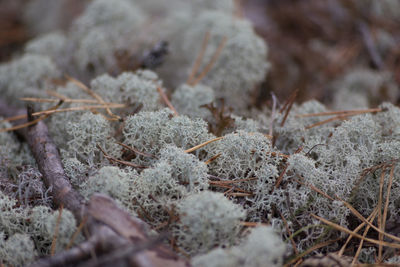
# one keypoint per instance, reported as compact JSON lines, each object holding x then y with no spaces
{"x":92,"y":94}
{"x":57,"y":95}
{"x":161,"y":225}
{"x":76,"y":233}
{"x":210,"y":64}
{"x":341,"y":112}
{"x":14,"y":118}
{"x":354,"y":211}
{"x":252,"y":224}
{"x":240,"y":194}
{"x":137,"y":151}
{"x":359,"y":216}
{"x":289,"y":105}
{"x":381,"y":182}
{"x":383,"y":223}
{"x":199,"y":58}
{"x":308,"y":251}
{"x":123,"y":162}
{"x":280,"y":178}
{"x":343,"y":116}
{"x":17,"y":127}
{"x":233,"y":181}
{"x":29,"y":123}
{"x":54,"y":241}
{"x":340,"y":117}
{"x":88,"y":107}
{"x":203,"y":144}
{"x":274,"y":154}
{"x":289,"y":233}
{"x":166,"y":101}
{"x":212,"y":159}
{"x":66,"y":100}
{"x":358,"y":228}
{"x":347,"y":231}
{"x":364,"y":235}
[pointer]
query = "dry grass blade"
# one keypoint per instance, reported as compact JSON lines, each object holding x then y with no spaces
{"x":210,"y":64}
{"x":345,"y":230}
{"x":203,"y":144}
{"x":199,"y":58}
{"x":166,"y":101}
{"x":308,"y":251}
{"x":57,"y":228}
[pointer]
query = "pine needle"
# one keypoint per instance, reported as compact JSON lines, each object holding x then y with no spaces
{"x":54,"y":241}
{"x":364,"y":234}
{"x":342,"y":117}
{"x":381,"y":182}
{"x":347,"y":231}
{"x":166,"y":101}
{"x":92,"y":94}
{"x":123,"y":162}
{"x":341,"y":112}
{"x":358,"y":228}
{"x":199,"y":58}
{"x":212,"y":159}
{"x":289,"y":105}
{"x":308,"y":251}
{"x":137,"y":151}
{"x":29,"y":123}
{"x":76,"y":233}
{"x":203,"y":144}
{"x":66,"y":100}
{"x":210,"y":64}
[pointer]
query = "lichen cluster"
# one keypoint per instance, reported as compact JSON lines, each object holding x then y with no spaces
{"x":202,"y":197}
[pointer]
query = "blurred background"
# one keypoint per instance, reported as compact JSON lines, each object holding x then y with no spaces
{"x":314,"y":46}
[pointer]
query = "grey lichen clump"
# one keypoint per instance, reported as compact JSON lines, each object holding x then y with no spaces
{"x":29,"y":75}
{"x":207,"y":219}
{"x":152,"y":131}
{"x":231,"y":77}
{"x":138,"y":90}
{"x":363,"y":88}
{"x":191,"y":100}
{"x":262,"y":247}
